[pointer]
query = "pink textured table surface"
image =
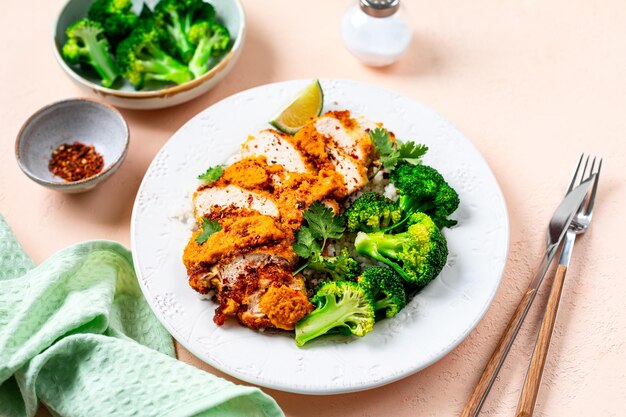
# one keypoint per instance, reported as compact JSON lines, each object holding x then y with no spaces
{"x":531,"y":83}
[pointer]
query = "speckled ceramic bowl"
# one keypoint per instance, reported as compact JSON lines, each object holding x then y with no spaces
{"x":82,"y":120}
{"x":124,"y":95}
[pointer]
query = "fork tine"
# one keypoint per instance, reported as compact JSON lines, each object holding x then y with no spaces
{"x":573,"y":181}
{"x":593,"y":164}
{"x":592,"y":198}
{"x":582,"y":177}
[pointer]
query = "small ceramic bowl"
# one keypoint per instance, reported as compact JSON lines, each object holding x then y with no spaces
{"x":124,"y":95}
{"x":75,"y":120}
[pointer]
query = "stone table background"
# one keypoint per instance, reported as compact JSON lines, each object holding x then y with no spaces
{"x":532,"y":83}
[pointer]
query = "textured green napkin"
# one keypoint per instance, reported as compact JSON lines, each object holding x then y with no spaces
{"x":77,"y":334}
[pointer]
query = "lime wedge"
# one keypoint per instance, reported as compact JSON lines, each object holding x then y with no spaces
{"x":306,"y":105}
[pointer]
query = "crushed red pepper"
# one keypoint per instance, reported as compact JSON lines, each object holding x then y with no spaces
{"x":75,"y":161}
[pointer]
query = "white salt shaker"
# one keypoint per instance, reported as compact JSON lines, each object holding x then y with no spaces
{"x":376,"y":32}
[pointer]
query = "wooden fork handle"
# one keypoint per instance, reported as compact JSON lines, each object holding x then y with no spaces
{"x":528,"y":398}
{"x":497,"y":358}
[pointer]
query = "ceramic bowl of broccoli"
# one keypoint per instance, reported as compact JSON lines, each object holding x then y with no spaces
{"x":149,"y":54}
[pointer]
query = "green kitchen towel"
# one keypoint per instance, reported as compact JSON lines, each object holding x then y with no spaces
{"x":77,"y":334}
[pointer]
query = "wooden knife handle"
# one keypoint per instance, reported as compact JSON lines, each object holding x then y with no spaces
{"x":528,"y":398}
{"x":497,"y":358}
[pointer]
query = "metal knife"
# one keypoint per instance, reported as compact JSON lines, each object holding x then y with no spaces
{"x":557,"y":228}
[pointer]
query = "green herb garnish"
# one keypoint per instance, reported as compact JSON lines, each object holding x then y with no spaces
{"x":322,"y":224}
{"x":212,"y":174}
{"x":391,"y":152}
{"x":208,"y":228}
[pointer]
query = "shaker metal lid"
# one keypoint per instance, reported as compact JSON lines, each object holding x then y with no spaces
{"x":379,"y":8}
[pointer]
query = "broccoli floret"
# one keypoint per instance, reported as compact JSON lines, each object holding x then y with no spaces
{"x":86,"y":44}
{"x":423,"y":188}
{"x":342,"y":306}
{"x":115,"y":16}
{"x":372,"y":212}
{"x":342,"y":267}
{"x":417,"y":255}
{"x":386,"y":288}
{"x":211,"y":39}
{"x":197,"y":10}
{"x":174,"y":19}
{"x":140,"y":59}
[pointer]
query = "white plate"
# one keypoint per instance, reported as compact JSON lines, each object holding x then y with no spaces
{"x":431,"y":325}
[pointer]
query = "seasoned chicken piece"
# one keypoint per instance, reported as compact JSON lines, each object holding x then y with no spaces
{"x":354,"y":174}
{"x":366,"y":124}
{"x":242,"y":284}
{"x":346,"y":134}
{"x":238,"y":235}
{"x":335,"y":141}
{"x":299,"y":191}
{"x":207,"y":199}
{"x":259,"y":203}
{"x":253,"y":174}
{"x":277,"y":149}
{"x":284,"y":306}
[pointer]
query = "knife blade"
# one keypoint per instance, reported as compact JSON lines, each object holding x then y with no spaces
{"x":559,"y":223}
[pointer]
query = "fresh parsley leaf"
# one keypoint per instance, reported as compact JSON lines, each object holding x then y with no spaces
{"x":391,"y":152}
{"x":323,"y":222}
{"x":305,"y":244}
{"x":390,"y":161}
{"x":212,"y":174}
{"x":381,"y":140}
{"x":208,"y":228}
{"x":412,"y":152}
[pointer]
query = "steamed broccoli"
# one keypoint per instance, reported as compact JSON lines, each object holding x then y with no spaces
{"x":175,"y":18}
{"x":87,"y":44}
{"x":342,"y":267}
{"x":210,"y":39}
{"x":197,"y":10}
{"x":417,"y":255}
{"x":386,"y":288}
{"x":372,"y":212}
{"x":140,"y":59}
{"x":115,"y":16}
{"x":342,"y":306}
{"x":424,"y":189}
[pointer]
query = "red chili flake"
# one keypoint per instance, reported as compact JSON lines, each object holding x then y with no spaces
{"x":75,"y":161}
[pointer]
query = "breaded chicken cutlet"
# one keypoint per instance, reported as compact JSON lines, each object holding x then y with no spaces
{"x":258,"y":202}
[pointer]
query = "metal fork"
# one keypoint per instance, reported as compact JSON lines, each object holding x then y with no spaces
{"x":579,"y":225}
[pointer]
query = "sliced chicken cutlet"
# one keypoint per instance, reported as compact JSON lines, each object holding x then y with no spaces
{"x":337,"y":142}
{"x":259,"y":289}
{"x":238,"y":235}
{"x":277,"y":148}
{"x":259,"y":201}
{"x":207,"y":199}
{"x":346,"y":135}
{"x":249,"y":257}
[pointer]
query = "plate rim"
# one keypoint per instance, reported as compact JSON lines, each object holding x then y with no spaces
{"x":323,"y":390}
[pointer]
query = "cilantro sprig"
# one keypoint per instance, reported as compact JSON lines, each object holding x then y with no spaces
{"x":322,"y":224}
{"x":212,"y":174}
{"x":392,"y":152}
{"x":208,"y":228}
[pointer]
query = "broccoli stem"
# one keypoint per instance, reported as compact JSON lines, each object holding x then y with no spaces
{"x":165,"y":68}
{"x":375,"y":245}
{"x":177,"y":32}
{"x":100,"y":59}
{"x":383,"y":304}
{"x":199,"y":62}
{"x":322,"y":320}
